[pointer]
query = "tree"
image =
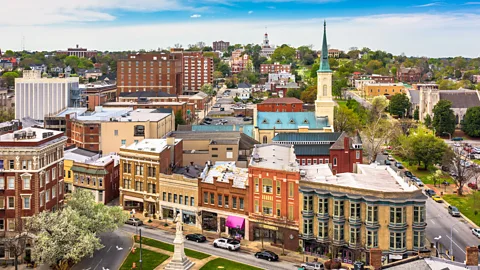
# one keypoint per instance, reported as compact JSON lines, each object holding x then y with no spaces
{"x":284,"y":54}
{"x":379,"y":104}
{"x":309,"y":95}
{"x":456,"y":161}
{"x":424,"y":148}
{"x":9,"y":77}
{"x":338,"y":85}
{"x":399,"y":104}
{"x":313,"y":70}
{"x":9,"y":53}
{"x":345,"y":120}
{"x":207,"y":89}
{"x":428,"y":121}
{"x":416,"y":114}
{"x":436,"y":176}
{"x":471,"y":122}
{"x":72,"y":61}
{"x":377,"y":132}
{"x":224,"y":68}
{"x":179,"y":118}
{"x":443,"y":117}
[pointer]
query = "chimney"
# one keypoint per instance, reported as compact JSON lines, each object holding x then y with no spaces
{"x":472,"y":256}
{"x":346,"y":144}
{"x":376,"y":258}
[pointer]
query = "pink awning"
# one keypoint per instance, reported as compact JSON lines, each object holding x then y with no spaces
{"x":235,"y":222}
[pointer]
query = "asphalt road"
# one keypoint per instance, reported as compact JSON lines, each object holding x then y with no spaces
{"x":110,"y":257}
{"x":240,"y":256}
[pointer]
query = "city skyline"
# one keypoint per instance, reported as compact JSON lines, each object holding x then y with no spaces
{"x":416,"y":28}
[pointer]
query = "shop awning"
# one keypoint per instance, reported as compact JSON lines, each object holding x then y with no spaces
{"x":235,"y":222}
{"x":131,"y":198}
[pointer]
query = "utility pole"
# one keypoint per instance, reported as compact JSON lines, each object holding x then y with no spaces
{"x":140,"y":261}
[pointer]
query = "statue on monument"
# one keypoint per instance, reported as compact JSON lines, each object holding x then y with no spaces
{"x":179,"y":223}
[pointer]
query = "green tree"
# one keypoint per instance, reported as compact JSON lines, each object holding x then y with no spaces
{"x":313,"y":70}
{"x":284,"y":54}
{"x":72,"y":61}
{"x":224,"y":68}
{"x":9,"y":77}
{"x":309,"y":95}
{"x":207,"y":89}
{"x":428,"y":120}
{"x":399,"y":105}
{"x":435,"y":177}
{"x":424,"y":148}
{"x":338,"y":85}
{"x":471,"y":122}
{"x":179,"y":118}
{"x":379,"y":104}
{"x":9,"y":53}
{"x":443,"y":117}
{"x":345,"y":120}
{"x":416,"y":114}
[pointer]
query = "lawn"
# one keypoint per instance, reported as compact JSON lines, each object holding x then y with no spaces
{"x":469,"y":205}
{"x":150,"y":260}
{"x":422,"y":174}
{"x":169,"y":247}
{"x":341,"y":102}
{"x":226,"y":264}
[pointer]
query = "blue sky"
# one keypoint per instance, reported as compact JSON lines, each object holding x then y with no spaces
{"x":419,"y":28}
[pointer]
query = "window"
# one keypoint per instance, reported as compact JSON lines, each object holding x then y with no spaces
{"x":42,"y":197}
{"x":100,"y":196}
{"x":47,"y":177}
{"x":240,"y":200}
{"x":256,"y":185}
{"x":127,"y":183}
{"x":205,"y":197}
{"x":214,"y":149}
{"x":11,"y":182}
{"x":418,"y":214}
{"x":2,"y":183}
{"x":164,"y":196}
{"x":290,"y":212}
{"x":323,"y":229}
{"x":267,"y":186}
{"x":54,"y":191}
{"x":220,"y":200}
{"x":279,"y":187}
{"x":11,"y":224}
{"x":308,"y":226}
{"x":2,"y":202}
{"x":265,"y":139}
{"x":290,"y":189}
{"x":327,"y":161}
{"x":397,"y":215}
{"x":338,"y":209}
{"x":175,"y":198}
{"x":169,"y":197}
{"x":372,"y":239}
{"x":279,"y":209}
{"x":214,"y":156}
{"x":192,"y":201}
{"x":334,"y":161}
{"x":355,"y":210}
{"x":11,"y":202}
{"x":372,"y":213}
{"x":100,"y":182}
{"x":124,"y":142}
{"x":47,"y":196}
{"x":212,"y":198}
{"x":338,"y":233}
{"x":267,"y":208}
{"x":2,"y":228}
{"x":256,"y":207}
{"x":152,"y":171}
{"x":418,"y":239}
{"x":138,"y":186}
{"x":24,"y":164}
{"x":307,"y":203}
{"x":354,"y":236}
{"x":115,"y":132}
{"x":11,"y":164}
{"x":138,"y":169}
{"x":397,"y":240}
{"x":323,"y":206}
{"x":357,"y":154}
{"x":54,"y":174}
{"x":26,"y":202}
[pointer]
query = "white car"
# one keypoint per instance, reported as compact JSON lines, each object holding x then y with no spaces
{"x":312,"y":266}
{"x":230,"y":244}
{"x":476,"y":232}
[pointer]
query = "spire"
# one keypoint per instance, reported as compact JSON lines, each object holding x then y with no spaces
{"x":324,"y":65}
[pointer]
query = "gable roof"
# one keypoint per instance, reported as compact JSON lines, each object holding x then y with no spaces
{"x":289,"y":120}
{"x":338,"y":145}
{"x":461,"y":98}
{"x":244,"y":85}
{"x":414,"y":96}
{"x":307,"y":137}
{"x":312,"y":150}
{"x":288,"y":100}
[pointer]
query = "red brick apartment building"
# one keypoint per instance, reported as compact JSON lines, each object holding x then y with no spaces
{"x":409,"y":75}
{"x":221,"y":46}
{"x":273,"y":177}
{"x":274,"y":68}
{"x":281,"y":105}
{"x":197,"y":70}
{"x":31,"y":175}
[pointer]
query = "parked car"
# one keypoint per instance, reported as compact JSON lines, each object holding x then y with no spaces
{"x":437,"y":198}
{"x":385,"y":152}
{"x":399,"y":165}
{"x":390,"y":158}
{"x":388,"y":162}
{"x":472,"y":185}
{"x":134,"y":221}
{"x":208,"y":119}
{"x":456,"y":144}
{"x":266,"y":255}
{"x":457,"y":139}
{"x":247,"y":119}
{"x":476,"y":232}
{"x":312,"y":266}
{"x":408,"y":174}
{"x":230,"y":244}
{"x":446,"y":183}
{"x":417,"y":181}
{"x":224,"y":121}
{"x":196,"y":237}
{"x":430,"y":192}
{"x":453,"y":211}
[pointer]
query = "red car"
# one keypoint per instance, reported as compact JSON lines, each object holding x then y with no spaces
{"x":472,"y":185}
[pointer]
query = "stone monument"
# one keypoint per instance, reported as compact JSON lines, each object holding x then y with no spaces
{"x":179,"y":260}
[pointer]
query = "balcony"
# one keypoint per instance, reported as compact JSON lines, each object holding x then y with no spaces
{"x":307,"y":213}
{"x":307,"y":236}
{"x":323,"y":239}
{"x":372,"y":224}
{"x":398,"y":250}
{"x":397,"y":226}
{"x":339,"y":219}
{"x":419,"y":225}
{"x":355,"y":220}
{"x":323,"y":216}
{"x":355,"y":245}
{"x":340,"y":242}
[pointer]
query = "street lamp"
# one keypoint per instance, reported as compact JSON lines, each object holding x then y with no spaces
{"x":451,"y":238}
{"x":449,"y":135}
{"x":436,"y":243}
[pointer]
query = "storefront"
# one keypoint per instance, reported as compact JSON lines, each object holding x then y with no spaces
{"x":130,"y":202}
{"x":189,"y":218}
{"x":276,"y":235}
{"x":236,"y":227}
{"x":209,"y":221}
{"x":314,"y":248}
{"x":168,"y":213}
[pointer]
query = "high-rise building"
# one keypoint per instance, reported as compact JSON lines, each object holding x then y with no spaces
{"x":221,"y":46}
{"x":37,"y":97}
{"x":150,"y":72}
{"x":197,"y":70}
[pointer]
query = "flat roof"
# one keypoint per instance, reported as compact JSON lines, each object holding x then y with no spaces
{"x":132,"y":103}
{"x":9,"y":137}
{"x":150,"y":145}
{"x":224,"y":171}
{"x":274,"y":156}
{"x":126,"y":114}
{"x":368,"y":176}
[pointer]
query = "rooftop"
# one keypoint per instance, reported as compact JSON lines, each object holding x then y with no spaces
{"x":289,"y":120}
{"x":384,"y":84}
{"x":131,"y":103}
{"x":223,"y":172}
{"x":329,"y":137}
{"x":146,"y":94}
{"x":273,"y":156}
{"x":190,"y":171}
{"x":367,"y":177}
{"x":29,"y":135}
{"x":117,"y":114}
{"x":282,"y":100}
{"x":461,"y":98}
{"x":247,"y":129}
{"x":150,"y":145}
{"x":81,"y":155}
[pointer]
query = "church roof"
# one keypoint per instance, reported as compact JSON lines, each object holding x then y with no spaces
{"x":289,"y":120}
{"x":308,"y":137}
{"x":324,"y":65}
{"x":461,"y":98}
{"x":414,"y":96}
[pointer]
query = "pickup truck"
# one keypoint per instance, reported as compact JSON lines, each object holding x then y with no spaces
{"x":230,"y":244}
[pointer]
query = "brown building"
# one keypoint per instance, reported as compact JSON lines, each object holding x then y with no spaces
{"x":274,"y":68}
{"x":31,"y":175}
{"x":197,"y":70}
{"x":150,"y":71}
{"x":95,"y":94}
{"x":221,"y":46}
{"x":90,"y":171}
{"x":383,"y":89}
{"x":140,"y":167}
{"x":78,"y":52}
{"x":273,"y":176}
{"x":409,"y":75}
{"x":382,"y":79}
{"x":223,"y":193}
{"x":281,"y":105}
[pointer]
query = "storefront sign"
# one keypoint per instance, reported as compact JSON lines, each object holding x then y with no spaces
{"x":268,"y":227}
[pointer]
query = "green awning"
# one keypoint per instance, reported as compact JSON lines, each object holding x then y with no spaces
{"x":89,"y":171}
{"x":79,"y":169}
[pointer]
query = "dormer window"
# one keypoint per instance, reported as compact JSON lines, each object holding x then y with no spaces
{"x":292,"y":122}
{"x":305,"y":121}
{"x":278,"y":121}
{"x":264,"y":121}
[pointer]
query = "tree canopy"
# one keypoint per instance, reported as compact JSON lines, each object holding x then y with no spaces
{"x":443,"y":117}
{"x":399,"y":105}
{"x":471,"y":122}
{"x":284,"y":54}
{"x":423,"y":147}
{"x":345,"y":120}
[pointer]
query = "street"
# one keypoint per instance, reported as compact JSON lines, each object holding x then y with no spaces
{"x":117,"y":245}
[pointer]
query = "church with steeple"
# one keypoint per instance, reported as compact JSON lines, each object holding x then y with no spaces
{"x":267,"y":125}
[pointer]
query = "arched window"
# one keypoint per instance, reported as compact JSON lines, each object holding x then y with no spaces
{"x":265,"y":139}
{"x":325,"y":90}
{"x":334,"y":161}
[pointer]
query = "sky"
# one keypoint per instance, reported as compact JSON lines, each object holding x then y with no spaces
{"x":415,"y":28}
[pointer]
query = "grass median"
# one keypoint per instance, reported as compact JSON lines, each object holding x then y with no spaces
{"x":169,"y":247}
{"x":226,"y":264}
{"x":468,"y":205}
{"x":150,"y":260}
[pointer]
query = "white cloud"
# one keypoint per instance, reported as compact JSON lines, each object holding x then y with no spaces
{"x":436,"y":35}
{"x":250,"y":12}
{"x":196,"y":16}
{"x":472,"y":3}
{"x":429,"y":5}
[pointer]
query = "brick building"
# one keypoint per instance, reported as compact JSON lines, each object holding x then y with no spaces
{"x":274,"y":68}
{"x":409,"y":75}
{"x":223,"y":193}
{"x":78,"y":52}
{"x":31,"y":175}
{"x":383,"y":89}
{"x":221,"y":46}
{"x":273,"y":177}
{"x":337,"y":149}
{"x":382,"y":79}
{"x":197,"y":70}
{"x":281,"y":105}
{"x":150,"y":71}
{"x":239,"y":62}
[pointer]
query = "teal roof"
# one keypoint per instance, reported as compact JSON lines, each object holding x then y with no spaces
{"x":324,"y":65}
{"x":289,"y":120}
{"x":307,"y":137}
{"x":312,"y":150}
{"x":247,"y":129}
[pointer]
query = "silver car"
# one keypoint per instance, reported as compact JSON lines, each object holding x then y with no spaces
{"x":134,"y":221}
{"x":312,"y":266}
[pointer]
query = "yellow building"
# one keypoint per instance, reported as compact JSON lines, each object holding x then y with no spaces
{"x":350,"y":213}
{"x":383,"y":89}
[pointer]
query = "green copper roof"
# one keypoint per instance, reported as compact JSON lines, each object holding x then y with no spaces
{"x":324,"y":65}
